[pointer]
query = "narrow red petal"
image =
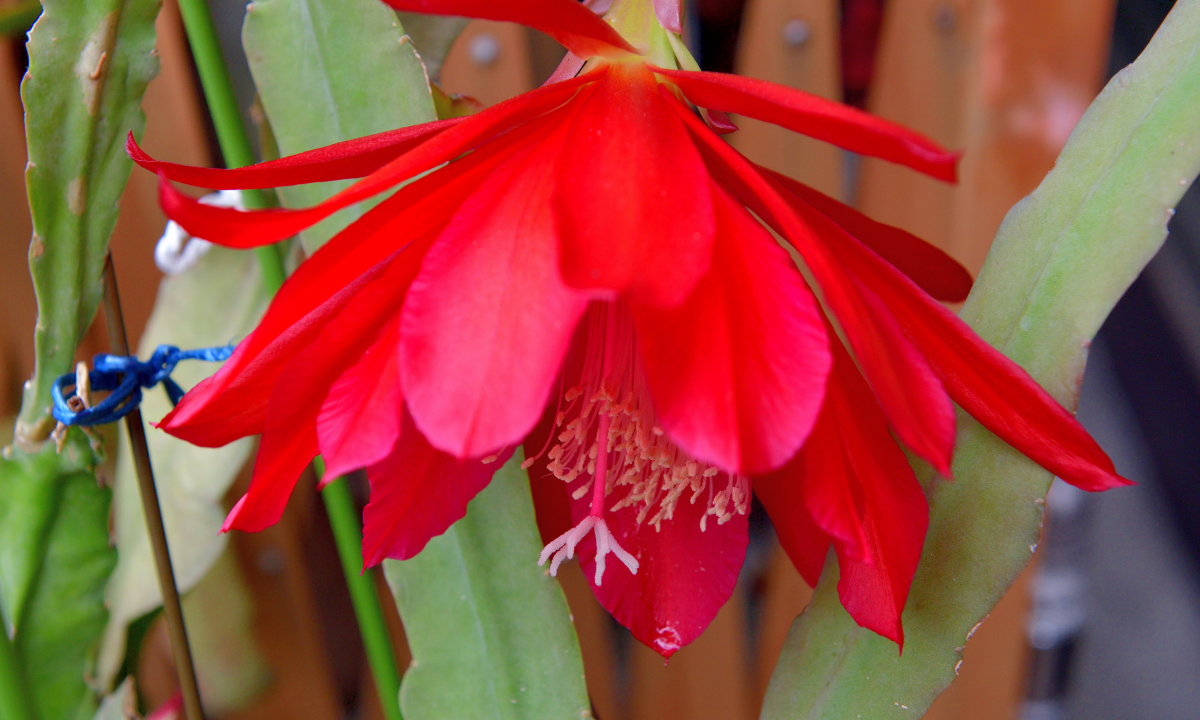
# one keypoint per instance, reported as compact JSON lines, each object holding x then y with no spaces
{"x":874,"y":584}
{"x":359,"y":420}
{"x":289,"y":439}
{"x":992,"y":388}
{"x":782,"y":495}
{"x":340,"y":161}
{"x":488,"y":320}
{"x":669,"y":14}
{"x":633,"y":203}
{"x":816,"y":117}
{"x":925,"y":264}
{"x":686,"y":574}
{"x":244,"y":229}
{"x":281,"y":459}
{"x":417,"y":492}
{"x":570,"y":23}
{"x":738,"y":371}
{"x":911,"y":394}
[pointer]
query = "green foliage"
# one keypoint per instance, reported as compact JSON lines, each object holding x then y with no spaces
{"x":217,"y":301}
{"x":489,"y":630}
{"x":54,"y":560}
{"x":89,"y":64}
{"x":328,"y":71}
{"x":1061,"y":260}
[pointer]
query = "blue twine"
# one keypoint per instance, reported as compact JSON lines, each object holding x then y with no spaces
{"x":125,"y":377}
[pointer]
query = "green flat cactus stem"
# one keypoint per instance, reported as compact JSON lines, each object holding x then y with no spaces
{"x":1061,"y":260}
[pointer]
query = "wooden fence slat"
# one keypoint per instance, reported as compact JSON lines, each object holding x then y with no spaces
{"x":490,"y":61}
{"x":707,"y":680}
{"x":785,"y":596}
{"x":18,"y":312}
{"x":794,"y":43}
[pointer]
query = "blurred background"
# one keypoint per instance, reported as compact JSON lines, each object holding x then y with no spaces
{"x":1106,"y":621}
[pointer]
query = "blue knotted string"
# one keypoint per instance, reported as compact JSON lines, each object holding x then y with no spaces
{"x":125,"y":377}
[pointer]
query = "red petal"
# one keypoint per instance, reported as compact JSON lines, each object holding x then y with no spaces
{"x":874,"y":584}
{"x":570,"y":23}
{"x":738,"y":371}
{"x":359,"y":420}
{"x":782,"y":495}
{"x":282,"y":457}
{"x":488,"y":320}
{"x":932,"y":270}
{"x":417,"y":492}
{"x":633,"y":202}
{"x":289,"y":440}
{"x":340,"y":161}
{"x":243,"y":229}
{"x":988,"y":385}
{"x":685,"y":574}
{"x":816,"y":117}
{"x":910,"y":393}
{"x":669,"y":14}
{"x":233,"y":403}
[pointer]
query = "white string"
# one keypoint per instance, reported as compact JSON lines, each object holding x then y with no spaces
{"x":177,"y":251}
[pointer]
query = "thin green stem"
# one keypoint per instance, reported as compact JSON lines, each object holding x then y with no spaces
{"x":15,"y":703}
{"x":343,"y":517}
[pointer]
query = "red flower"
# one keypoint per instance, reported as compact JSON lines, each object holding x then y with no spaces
{"x":581,"y":262}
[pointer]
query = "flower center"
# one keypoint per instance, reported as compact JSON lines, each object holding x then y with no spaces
{"x":638,"y":464}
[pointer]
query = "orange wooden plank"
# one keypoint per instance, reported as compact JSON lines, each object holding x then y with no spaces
{"x":784,"y":598}
{"x":794,"y":43}
{"x":1003,"y":80}
{"x":490,"y":61}
{"x":18,"y":312}
{"x":707,"y":680}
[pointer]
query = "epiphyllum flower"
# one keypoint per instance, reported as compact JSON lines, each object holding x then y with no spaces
{"x":579,"y":270}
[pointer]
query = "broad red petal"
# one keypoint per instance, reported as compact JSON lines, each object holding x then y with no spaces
{"x":232,"y":403}
{"x":932,"y":270}
{"x":738,"y":371}
{"x":360,"y":418}
{"x":570,"y":23}
{"x":911,"y":394}
{"x":816,"y":117}
{"x":669,"y":14}
{"x":686,"y":574}
{"x":252,"y":228}
{"x":417,"y":492}
{"x":289,"y":439}
{"x":782,"y":495}
{"x":992,"y":388}
{"x":633,"y":203}
{"x":341,"y":161}
{"x":488,"y":320}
